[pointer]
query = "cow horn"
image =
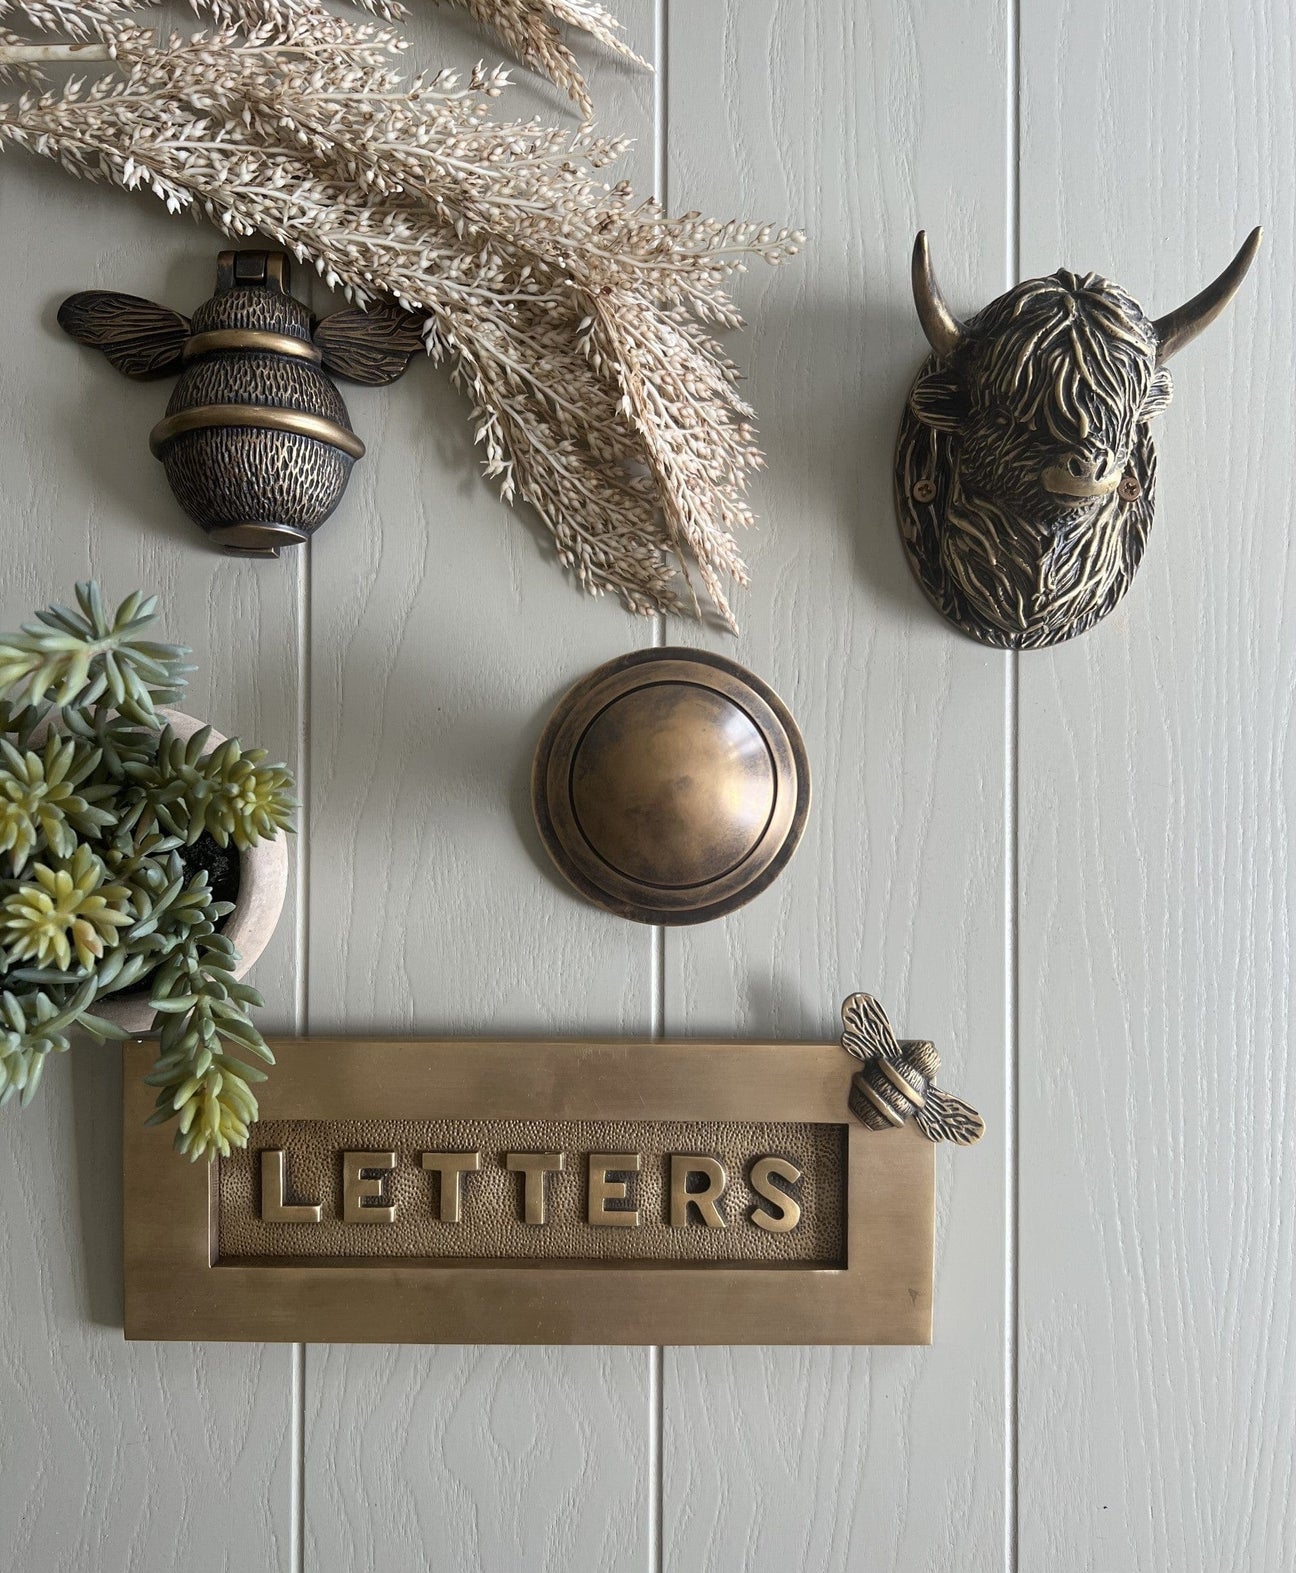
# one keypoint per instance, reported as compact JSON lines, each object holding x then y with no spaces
{"x":943,"y":329}
{"x":1180,"y":327}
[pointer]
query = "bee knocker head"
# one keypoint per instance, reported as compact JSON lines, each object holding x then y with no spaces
{"x":1025,"y":470}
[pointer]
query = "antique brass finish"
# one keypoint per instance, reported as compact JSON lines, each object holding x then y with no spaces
{"x":271,"y":268}
{"x":256,"y":442}
{"x":489,"y":1215}
{"x":788,"y":1216}
{"x":898,"y":1081}
{"x":203,"y":417}
{"x":250,"y":339}
{"x":827,"y":1226}
{"x":534,"y":1166}
{"x":360,"y":1186}
{"x":1025,"y":469}
{"x":683,"y":1196}
{"x":671,"y":786}
{"x":604,"y":1189}
{"x":451,"y":1166}
{"x":273,"y":1207}
{"x":261,"y":539}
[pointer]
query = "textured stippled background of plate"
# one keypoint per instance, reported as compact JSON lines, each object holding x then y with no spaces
{"x":491,"y":1224}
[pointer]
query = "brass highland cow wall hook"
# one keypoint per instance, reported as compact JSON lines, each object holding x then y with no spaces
{"x":898,"y":1081}
{"x":1025,"y":471}
{"x":256,"y":441}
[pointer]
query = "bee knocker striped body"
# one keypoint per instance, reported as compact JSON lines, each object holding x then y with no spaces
{"x":898,"y":1079}
{"x":256,"y":441}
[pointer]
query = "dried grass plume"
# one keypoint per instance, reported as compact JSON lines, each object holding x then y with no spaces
{"x":579,"y":320}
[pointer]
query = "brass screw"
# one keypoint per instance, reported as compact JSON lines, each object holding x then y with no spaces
{"x":924,"y":491}
{"x":1130,"y":488}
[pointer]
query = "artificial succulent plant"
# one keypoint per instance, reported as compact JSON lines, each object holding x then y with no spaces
{"x":100,"y":803}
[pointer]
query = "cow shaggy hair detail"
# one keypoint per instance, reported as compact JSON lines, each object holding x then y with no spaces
{"x":1055,"y":368}
{"x":1067,"y":352}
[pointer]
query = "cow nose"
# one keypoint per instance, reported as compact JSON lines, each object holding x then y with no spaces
{"x":1088,"y":466}
{"x":1084,"y":472}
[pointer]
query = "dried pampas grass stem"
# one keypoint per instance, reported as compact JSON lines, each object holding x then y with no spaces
{"x":578,"y":319}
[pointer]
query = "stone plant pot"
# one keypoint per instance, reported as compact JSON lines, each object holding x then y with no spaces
{"x":263,"y":886}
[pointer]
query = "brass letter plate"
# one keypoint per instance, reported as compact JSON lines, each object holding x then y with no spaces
{"x":412,"y":1191}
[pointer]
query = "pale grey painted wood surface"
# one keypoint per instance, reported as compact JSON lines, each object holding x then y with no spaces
{"x":406,"y":665}
{"x":116,"y":1455}
{"x":442,"y":633}
{"x":1158,"y":1388}
{"x":785,"y":1458}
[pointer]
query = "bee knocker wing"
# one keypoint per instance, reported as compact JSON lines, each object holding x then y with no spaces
{"x":867,"y":1033}
{"x":945,"y":1118}
{"x":138,"y":336}
{"x":372,"y":347}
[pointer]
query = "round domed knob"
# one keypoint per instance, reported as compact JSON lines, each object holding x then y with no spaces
{"x":671,"y":786}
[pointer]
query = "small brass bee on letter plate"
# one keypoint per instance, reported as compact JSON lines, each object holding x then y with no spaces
{"x":899,"y":1079}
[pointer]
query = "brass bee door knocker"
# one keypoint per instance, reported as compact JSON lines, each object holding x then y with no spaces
{"x":898,"y":1079}
{"x":256,"y":441}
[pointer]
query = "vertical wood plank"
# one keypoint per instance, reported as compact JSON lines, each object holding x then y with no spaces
{"x":864,"y":122}
{"x":442,"y":633}
{"x":114,"y":1455}
{"x":1158,"y":1392}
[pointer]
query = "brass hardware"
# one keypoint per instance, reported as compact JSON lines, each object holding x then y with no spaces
{"x":1034,"y":416}
{"x":671,"y":786}
{"x":250,"y":339}
{"x":359,"y":1187}
{"x":204,"y":417}
{"x":270,"y":268}
{"x":827,"y":1233}
{"x":603,"y":1189}
{"x":256,"y":540}
{"x":533,"y":1166}
{"x":703,"y":1201}
{"x":450,"y":1167}
{"x":764,"y":1172}
{"x":273,"y":1207}
{"x":494,"y":1218}
{"x":256,"y":441}
{"x":898,"y":1081}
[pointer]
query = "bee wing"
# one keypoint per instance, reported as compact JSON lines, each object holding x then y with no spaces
{"x":867,"y":1032}
{"x":139,"y":337}
{"x":373,"y":347}
{"x":945,"y":1118}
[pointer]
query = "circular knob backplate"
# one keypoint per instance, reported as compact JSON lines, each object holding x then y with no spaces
{"x":671,"y":786}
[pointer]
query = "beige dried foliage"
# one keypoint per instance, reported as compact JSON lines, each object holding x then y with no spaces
{"x":578,"y":319}
{"x":528,"y":28}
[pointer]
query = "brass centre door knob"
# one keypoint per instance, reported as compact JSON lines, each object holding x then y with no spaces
{"x":671,"y":786}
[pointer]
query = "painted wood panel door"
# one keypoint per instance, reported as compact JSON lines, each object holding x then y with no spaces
{"x":1070,"y":868}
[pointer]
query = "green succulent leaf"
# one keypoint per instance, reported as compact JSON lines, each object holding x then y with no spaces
{"x":32,"y":1027}
{"x":44,"y":802}
{"x":74,"y":659}
{"x":68,"y":910}
{"x":204,"y":1087}
{"x":98,"y":802}
{"x":20,"y":721}
{"x":248,"y":799}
